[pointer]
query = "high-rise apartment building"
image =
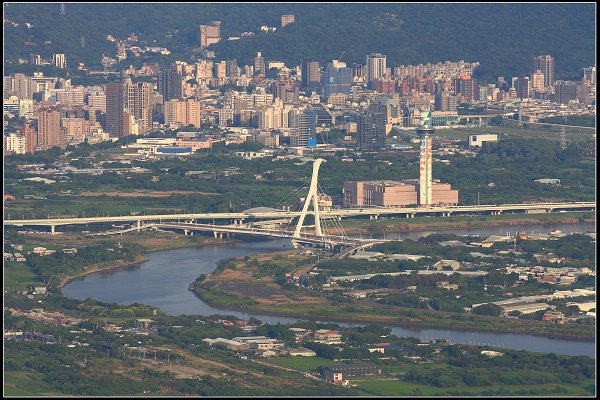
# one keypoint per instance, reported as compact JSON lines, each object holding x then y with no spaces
{"x":311,"y":74}
{"x":35,"y":59}
{"x":376,"y":68}
{"x":546,"y":65}
{"x":50,"y":132}
{"x":537,"y":81}
{"x":286,"y":20}
{"x":169,"y":84}
{"x":220,"y":70}
{"x":210,"y":34}
{"x":358,"y":70}
{"x":76,"y":129}
{"x":521,"y":85}
{"x":114,"y":109}
{"x":466,"y":87}
{"x":336,"y":79}
{"x":286,"y":91}
{"x":138,"y":101}
{"x":59,"y":60}
{"x":29,"y":133}
{"x":564,"y":91}
{"x":371,"y":131}
{"x":186,"y":112}
{"x":589,"y":75}
{"x":232,"y":69}
{"x":445,"y":101}
{"x":96,"y":101}
{"x":15,"y":144}
{"x":259,"y":64}
{"x":304,"y":127}
{"x":22,"y":86}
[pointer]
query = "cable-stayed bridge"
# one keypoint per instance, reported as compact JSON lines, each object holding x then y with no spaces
{"x":287,"y":218}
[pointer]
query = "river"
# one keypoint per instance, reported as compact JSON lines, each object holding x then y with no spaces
{"x":163,"y":282}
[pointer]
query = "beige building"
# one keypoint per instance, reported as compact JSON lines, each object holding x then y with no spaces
{"x":210,"y":34}
{"x":138,"y":101}
{"x":76,"y":129}
{"x":387,"y":193}
{"x":286,"y":20}
{"x":50,"y":132}
{"x":537,"y":81}
{"x":96,"y":104}
{"x":184,"y":112}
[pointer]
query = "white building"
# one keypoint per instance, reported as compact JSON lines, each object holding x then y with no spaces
{"x":15,"y":143}
{"x":478,"y":140}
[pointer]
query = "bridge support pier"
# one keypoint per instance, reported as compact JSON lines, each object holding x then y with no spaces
{"x":215,"y":234}
{"x":185,"y":232}
{"x":221,"y":235}
{"x":138,"y":223}
{"x":52,"y":230}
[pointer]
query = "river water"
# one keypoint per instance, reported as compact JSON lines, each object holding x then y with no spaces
{"x":163,"y":282}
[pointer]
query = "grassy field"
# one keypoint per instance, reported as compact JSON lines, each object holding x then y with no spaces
{"x":382,"y":387}
{"x":506,"y":131}
{"x":26,"y":384}
{"x":18,"y":276}
{"x":453,"y":222}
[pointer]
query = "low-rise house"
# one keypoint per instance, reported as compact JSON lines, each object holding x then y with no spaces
{"x":553,"y":316}
{"x":229,"y":344}
{"x":546,"y":279}
{"x":39,"y":290}
{"x":372,"y":348}
{"x":260,"y":342}
{"x":525,"y":308}
{"x":447,"y":285}
{"x":267,"y":353}
{"x":300,"y":333}
{"x":491,"y":353}
{"x":445,"y":264}
{"x":337,"y":373}
{"x":42,"y":251}
{"x":567,"y":280}
{"x":328,"y":336}
{"x":302,"y":352}
{"x":70,"y":251}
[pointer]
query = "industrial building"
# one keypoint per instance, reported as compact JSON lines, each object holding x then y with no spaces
{"x":337,"y":373}
{"x":388,"y":193}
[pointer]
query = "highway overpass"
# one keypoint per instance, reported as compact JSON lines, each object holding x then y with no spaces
{"x":238,"y":218}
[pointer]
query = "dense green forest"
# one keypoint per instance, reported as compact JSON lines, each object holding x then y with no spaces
{"x":503,"y":37}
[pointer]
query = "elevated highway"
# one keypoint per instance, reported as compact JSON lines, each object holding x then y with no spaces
{"x":238,"y":218}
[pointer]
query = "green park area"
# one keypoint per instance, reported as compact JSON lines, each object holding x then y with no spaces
{"x":27,"y":384}
{"x":395,"y":387}
{"x":18,"y":275}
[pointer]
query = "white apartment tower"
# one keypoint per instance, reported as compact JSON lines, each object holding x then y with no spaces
{"x":376,"y":68}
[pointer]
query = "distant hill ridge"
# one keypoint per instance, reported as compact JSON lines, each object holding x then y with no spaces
{"x":502,"y":37}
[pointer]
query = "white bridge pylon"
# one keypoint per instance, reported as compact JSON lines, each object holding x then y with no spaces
{"x":314,"y":196}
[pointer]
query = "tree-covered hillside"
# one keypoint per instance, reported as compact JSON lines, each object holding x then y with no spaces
{"x":503,"y":37}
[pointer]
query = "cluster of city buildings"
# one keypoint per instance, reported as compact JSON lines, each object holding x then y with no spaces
{"x":268,"y":347}
{"x":279,"y":105}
